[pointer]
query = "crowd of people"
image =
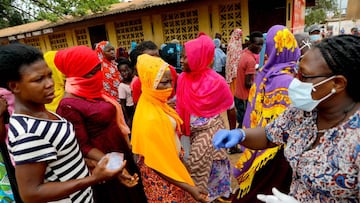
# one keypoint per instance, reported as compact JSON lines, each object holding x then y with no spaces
{"x":107,"y":125}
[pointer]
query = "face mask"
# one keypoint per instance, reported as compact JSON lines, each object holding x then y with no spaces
{"x":314,"y":38}
{"x":300,"y":94}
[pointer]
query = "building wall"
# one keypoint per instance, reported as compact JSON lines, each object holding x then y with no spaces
{"x":182,"y":21}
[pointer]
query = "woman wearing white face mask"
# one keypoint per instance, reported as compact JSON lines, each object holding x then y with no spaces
{"x":321,"y":129}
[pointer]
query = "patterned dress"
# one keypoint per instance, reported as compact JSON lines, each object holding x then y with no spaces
{"x":158,"y":190}
{"x":209,"y":167}
{"x":328,"y":172}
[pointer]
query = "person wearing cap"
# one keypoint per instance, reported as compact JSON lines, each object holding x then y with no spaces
{"x":315,"y":34}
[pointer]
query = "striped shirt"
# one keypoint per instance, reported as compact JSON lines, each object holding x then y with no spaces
{"x":33,"y":140}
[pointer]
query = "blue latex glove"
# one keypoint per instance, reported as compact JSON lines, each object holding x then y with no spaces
{"x":228,"y":138}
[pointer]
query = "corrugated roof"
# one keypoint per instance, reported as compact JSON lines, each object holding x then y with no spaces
{"x":25,"y":28}
{"x":114,"y":9}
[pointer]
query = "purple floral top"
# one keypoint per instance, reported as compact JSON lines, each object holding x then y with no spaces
{"x":328,"y":172}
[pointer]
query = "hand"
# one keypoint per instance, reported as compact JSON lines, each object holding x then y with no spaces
{"x":278,"y":197}
{"x":228,"y":138}
{"x":102,"y":173}
{"x":90,"y":163}
{"x":199,"y":194}
{"x":128,"y":180}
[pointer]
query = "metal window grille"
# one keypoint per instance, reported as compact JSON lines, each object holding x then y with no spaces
{"x":58,"y":41}
{"x":230,"y":18}
{"x":182,"y":25}
{"x":82,"y":37}
{"x":128,"y":31}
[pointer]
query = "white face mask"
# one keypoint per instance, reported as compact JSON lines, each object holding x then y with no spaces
{"x":300,"y":94}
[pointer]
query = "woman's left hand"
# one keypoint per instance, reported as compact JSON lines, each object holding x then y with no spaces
{"x":128,"y":180}
{"x":199,"y":194}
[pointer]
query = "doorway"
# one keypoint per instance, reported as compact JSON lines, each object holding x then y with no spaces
{"x":264,"y":13}
{"x":97,"y":34}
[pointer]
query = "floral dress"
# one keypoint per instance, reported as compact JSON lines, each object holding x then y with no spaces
{"x":328,"y":172}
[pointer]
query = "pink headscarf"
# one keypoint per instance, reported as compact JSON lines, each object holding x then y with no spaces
{"x":201,"y":92}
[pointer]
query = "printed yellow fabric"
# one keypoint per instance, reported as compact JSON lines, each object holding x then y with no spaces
{"x":152,"y":133}
{"x":59,"y":81}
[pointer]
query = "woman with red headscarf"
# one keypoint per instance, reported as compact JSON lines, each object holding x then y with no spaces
{"x":111,"y":75}
{"x":98,"y":120}
{"x":202,"y":95}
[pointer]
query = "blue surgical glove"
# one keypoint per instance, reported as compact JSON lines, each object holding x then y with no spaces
{"x":228,"y":138}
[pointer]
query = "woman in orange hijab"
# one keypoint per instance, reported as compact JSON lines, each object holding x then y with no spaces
{"x":155,"y":138}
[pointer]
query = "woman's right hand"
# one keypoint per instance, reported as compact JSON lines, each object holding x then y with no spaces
{"x":101,"y":173}
{"x":199,"y":194}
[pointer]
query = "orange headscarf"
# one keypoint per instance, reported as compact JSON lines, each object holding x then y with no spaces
{"x":76,"y":62}
{"x":153,"y":135}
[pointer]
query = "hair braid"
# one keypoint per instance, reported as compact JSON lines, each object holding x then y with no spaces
{"x":342,"y":54}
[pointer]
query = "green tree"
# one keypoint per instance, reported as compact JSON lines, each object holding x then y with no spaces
{"x":10,"y":15}
{"x":54,"y":9}
{"x":23,"y":11}
{"x":318,"y":13}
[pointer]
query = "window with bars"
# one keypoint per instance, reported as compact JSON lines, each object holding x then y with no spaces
{"x":34,"y":41}
{"x":58,"y":41}
{"x":181,"y":25}
{"x":128,"y":31}
{"x":82,"y":37}
{"x":230,"y":18}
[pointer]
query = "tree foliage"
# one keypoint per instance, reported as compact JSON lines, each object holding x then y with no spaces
{"x":54,"y":9}
{"x":22,"y":11}
{"x":10,"y":15}
{"x":318,"y":13}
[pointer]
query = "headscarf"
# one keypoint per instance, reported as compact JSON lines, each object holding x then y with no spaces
{"x":262,"y":52}
{"x":111,"y":74}
{"x":233,"y":52}
{"x":201,"y":92}
{"x":153,"y":135}
{"x":220,"y":56}
{"x":76,"y":62}
{"x":268,"y":98}
{"x":59,"y":81}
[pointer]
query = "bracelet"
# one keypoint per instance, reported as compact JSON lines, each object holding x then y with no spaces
{"x":242,"y":132}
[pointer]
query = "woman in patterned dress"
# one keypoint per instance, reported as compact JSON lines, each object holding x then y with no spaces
{"x":201,"y":96}
{"x":233,"y":53}
{"x":321,"y":129}
{"x":268,"y":98}
{"x":48,"y":163}
{"x":111,"y":74}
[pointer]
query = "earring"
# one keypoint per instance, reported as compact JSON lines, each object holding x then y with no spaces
{"x":333,"y":90}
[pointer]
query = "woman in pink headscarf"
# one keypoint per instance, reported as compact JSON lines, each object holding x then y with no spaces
{"x":202,"y":95}
{"x":233,"y":52}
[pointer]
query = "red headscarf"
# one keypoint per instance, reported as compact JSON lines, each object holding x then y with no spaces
{"x":76,"y":62}
{"x":201,"y":92}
